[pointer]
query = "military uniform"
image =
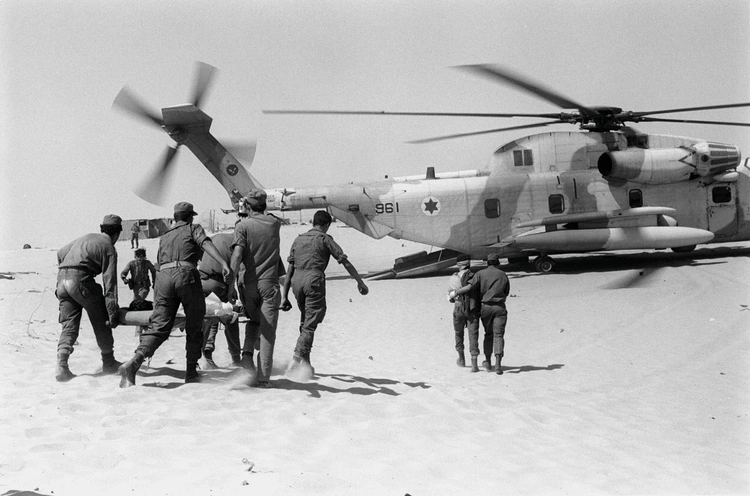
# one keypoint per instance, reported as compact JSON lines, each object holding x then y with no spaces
{"x":80,"y":261}
{"x":135,"y":231}
{"x":212,"y":281}
{"x":139,"y":270}
{"x":310,"y":254}
{"x":466,"y":316}
{"x":258,"y":235}
{"x":493,"y":286}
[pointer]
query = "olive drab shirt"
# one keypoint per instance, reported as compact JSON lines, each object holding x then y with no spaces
{"x":139,"y":272}
{"x":182,"y":243}
{"x":468,"y":303}
{"x":493,"y":285}
{"x":312,"y":250}
{"x":258,"y":235}
{"x":96,"y":254}
{"x":210,"y":267}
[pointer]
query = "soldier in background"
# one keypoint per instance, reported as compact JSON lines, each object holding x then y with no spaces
{"x":135,"y":233}
{"x":139,"y":269}
{"x":80,"y":261}
{"x":180,"y":249}
{"x":465,"y":313}
{"x":308,"y":260}
{"x":494,"y":287}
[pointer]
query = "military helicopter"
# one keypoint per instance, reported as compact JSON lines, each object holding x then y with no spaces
{"x":605,"y":187}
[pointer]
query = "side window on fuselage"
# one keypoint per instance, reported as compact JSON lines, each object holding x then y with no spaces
{"x":721,"y":194}
{"x":522,"y":158}
{"x":492,"y":208}
{"x":635,"y":198}
{"x":556,"y":204}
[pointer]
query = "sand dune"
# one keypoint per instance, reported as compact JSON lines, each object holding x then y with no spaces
{"x":624,"y":374}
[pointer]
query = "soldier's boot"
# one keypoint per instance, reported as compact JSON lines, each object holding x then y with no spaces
{"x":498,"y":368}
{"x":236,"y":360}
{"x":487,"y":363}
{"x":109,"y":364}
{"x":306,"y":359}
{"x":128,"y":369}
{"x":62,"y":372}
{"x":191,"y":373}
{"x":474,"y":366}
{"x":208,"y":356}
{"x":461,"y":362}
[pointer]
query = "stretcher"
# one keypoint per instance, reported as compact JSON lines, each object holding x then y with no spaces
{"x":216,"y":311}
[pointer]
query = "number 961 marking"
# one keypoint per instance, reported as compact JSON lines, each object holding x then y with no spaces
{"x":386,"y":208}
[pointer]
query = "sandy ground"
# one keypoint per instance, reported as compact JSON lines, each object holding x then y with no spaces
{"x":624,"y":374}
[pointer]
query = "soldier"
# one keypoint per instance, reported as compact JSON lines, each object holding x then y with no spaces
{"x":494,"y":287}
{"x":212,"y":281}
{"x":257,"y":246}
{"x":135,"y":232}
{"x":465,"y":314}
{"x":139,"y":270}
{"x":79,"y":262}
{"x":308,"y":260}
{"x":178,"y":281}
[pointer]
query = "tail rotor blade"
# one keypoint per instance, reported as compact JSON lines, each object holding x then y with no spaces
{"x":242,"y":151}
{"x":126,"y":101}
{"x":204,"y":74}
{"x":152,"y":189}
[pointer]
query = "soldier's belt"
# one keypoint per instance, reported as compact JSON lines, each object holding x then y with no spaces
{"x":172,"y":265}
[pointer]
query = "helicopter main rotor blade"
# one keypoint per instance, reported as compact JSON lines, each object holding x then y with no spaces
{"x":691,"y":121}
{"x":431,"y":114}
{"x":489,"y":131}
{"x":152,"y":189}
{"x":690,"y":109}
{"x":128,"y":102}
{"x":204,"y":74}
{"x":506,"y":76}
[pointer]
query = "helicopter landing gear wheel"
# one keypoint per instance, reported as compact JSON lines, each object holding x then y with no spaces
{"x":544,"y":264}
{"x":683,"y":249}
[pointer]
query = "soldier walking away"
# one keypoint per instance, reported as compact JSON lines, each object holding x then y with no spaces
{"x":308,"y":260}
{"x":178,"y":281}
{"x":80,"y":261}
{"x":212,"y":281}
{"x":494,"y":287}
{"x":257,"y":247}
{"x":465,"y":313}
{"x":135,"y":232}
{"x":139,"y":270}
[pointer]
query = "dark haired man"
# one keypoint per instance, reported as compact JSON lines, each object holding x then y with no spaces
{"x":257,"y":247}
{"x":308,"y":260}
{"x":139,"y":270}
{"x":494,"y":287}
{"x":80,"y":261}
{"x":178,"y":281}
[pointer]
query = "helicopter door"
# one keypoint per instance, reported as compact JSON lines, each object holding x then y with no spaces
{"x":722,"y":209}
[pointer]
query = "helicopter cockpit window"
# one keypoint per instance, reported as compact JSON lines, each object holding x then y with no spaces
{"x":492,"y":208}
{"x":635,"y":198}
{"x":721,"y":194}
{"x":522,"y":158}
{"x":556,"y":204}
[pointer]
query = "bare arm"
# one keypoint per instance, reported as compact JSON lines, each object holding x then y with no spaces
{"x":361,"y":286}
{"x":286,"y":305}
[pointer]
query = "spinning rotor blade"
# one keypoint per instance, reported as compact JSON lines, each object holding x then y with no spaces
{"x":152,"y":189}
{"x":128,"y":102}
{"x":690,"y":121}
{"x":244,"y":152}
{"x":489,"y":131}
{"x":506,"y":76}
{"x":382,"y":112}
{"x":204,"y":74}
{"x":690,"y":109}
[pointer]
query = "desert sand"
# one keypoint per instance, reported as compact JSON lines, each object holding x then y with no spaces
{"x":624,"y":374}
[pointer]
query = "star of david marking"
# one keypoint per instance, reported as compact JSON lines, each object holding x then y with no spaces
{"x":431,"y":206}
{"x":232,"y":169}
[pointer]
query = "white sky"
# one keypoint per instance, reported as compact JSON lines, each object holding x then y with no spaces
{"x":67,"y":158}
